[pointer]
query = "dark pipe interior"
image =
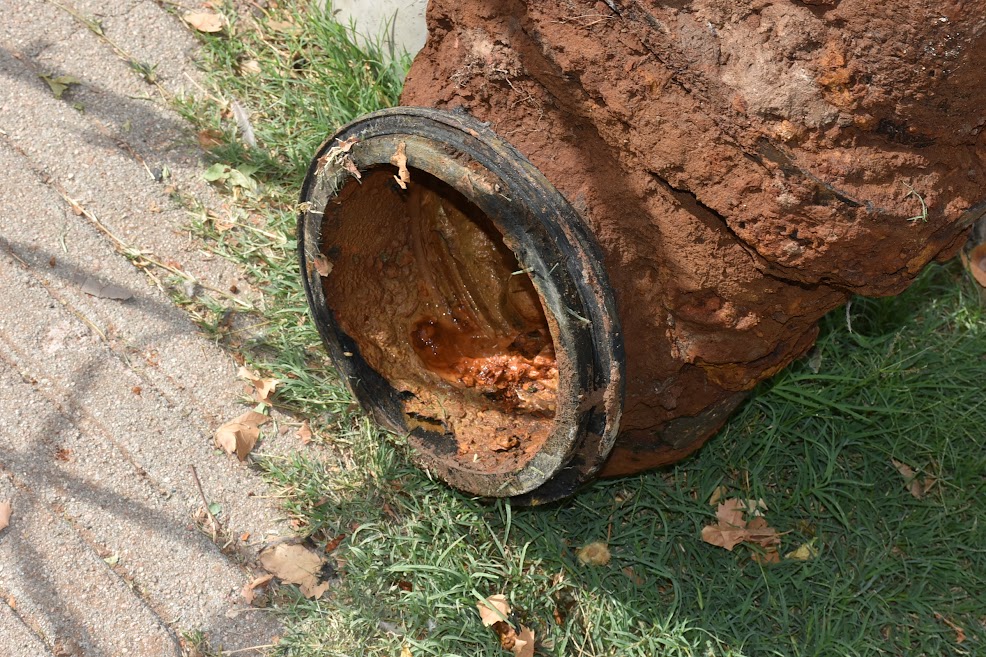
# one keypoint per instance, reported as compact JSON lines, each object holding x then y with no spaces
{"x":422,"y":281}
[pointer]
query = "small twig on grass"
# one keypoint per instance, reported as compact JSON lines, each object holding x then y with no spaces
{"x":205,"y":93}
{"x":215,"y":523}
{"x":142,"y":258}
{"x":248,"y":649}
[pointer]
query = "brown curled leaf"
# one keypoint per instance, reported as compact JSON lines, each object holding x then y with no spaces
{"x":399,"y":160}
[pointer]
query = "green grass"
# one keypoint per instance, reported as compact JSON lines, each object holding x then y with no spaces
{"x":815,"y":443}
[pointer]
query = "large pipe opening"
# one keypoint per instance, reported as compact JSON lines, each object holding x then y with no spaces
{"x":464,"y":303}
{"x":439,"y":306}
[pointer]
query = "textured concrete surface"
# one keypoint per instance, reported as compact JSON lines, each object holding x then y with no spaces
{"x":106,"y":405}
{"x":397,"y":22}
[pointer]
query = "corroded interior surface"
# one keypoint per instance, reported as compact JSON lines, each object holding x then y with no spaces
{"x":423,"y":282}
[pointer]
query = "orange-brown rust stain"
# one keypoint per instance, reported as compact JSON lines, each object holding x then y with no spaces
{"x":835,"y":76}
{"x":523,"y":374}
{"x":625,"y":460}
{"x":429,"y":292}
{"x":478,"y":325}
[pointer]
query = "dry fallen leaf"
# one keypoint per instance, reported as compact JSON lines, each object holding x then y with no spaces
{"x":241,"y":434}
{"x":520,"y":644}
{"x":320,"y":166}
{"x":524,"y":644}
{"x":594,"y":554}
{"x":305,"y":432}
{"x":730,"y":530}
{"x":295,"y":564}
{"x":346,"y":145}
{"x":205,"y":21}
{"x":767,"y":556}
{"x":766,"y":537}
{"x":262,"y":388}
{"x":959,"y":632}
{"x":730,"y":513}
{"x":493,"y":609}
{"x":406,"y":651}
{"x":731,"y":527}
{"x":760,"y":532}
{"x":350,"y":166}
{"x":334,"y":543}
{"x":223,"y":224}
{"x":209,"y":139}
{"x":5,"y":510}
{"x":338,"y":155}
{"x":717,"y":494}
{"x":249,"y":590}
{"x":917,"y":486}
{"x":59,"y":83}
{"x":905,"y":470}
{"x":250,"y":67}
{"x":634,"y":577}
{"x":399,"y":160}
{"x":724,"y":538}
{"x":492,"y":612}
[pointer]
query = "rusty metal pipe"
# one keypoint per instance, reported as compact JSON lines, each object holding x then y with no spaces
{"x":687,"y":188}
{"x":464,"y":301}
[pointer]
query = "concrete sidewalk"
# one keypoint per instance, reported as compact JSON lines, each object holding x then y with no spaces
{"x":105,"y":405}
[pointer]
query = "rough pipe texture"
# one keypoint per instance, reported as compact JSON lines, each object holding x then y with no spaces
{"x":745,"y":166}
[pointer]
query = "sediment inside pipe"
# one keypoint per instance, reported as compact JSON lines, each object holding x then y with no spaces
{"x":423,"y":282}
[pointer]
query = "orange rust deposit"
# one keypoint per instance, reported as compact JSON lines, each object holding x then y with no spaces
{"x":523,"y":374}
{"x":449,"y":321}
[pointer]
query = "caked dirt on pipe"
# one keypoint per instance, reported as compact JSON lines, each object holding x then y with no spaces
{"x":423,"y":283}
{"x":745,"y":166}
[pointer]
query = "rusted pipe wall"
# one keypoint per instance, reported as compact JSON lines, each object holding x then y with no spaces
{"x":745,"y":166}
